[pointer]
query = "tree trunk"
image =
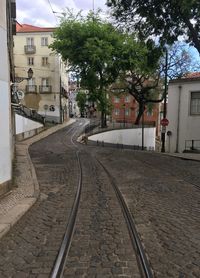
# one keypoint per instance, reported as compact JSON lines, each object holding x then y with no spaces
{"x":103,"y":119}
{"x":141,"y":111}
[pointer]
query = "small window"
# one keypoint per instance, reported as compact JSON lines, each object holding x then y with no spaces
{"x":44,"y":41}
{"x":195,"y":103}
{"x":150,"y":112}
{"x":116,"y":112}
{"x":30,"y":61}
{"x":116,"y":99}
{"x":127,"y":112}
{"x":45,"y":82}
{"x":127,"y":99}
{"x":45,"y":61}
{"x":29,"y":41}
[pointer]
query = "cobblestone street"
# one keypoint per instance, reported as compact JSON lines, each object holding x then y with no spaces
{"x":161,"y":193}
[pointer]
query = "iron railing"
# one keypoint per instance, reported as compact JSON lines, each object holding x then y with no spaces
{"x":31,"y":89}
{"x":30,"y":49}
{"x":45,"y":89}
{"x":29,"y":113}
{"x":192,"y":145}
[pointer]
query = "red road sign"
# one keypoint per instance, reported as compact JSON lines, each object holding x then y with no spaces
{"x":164,"y":122}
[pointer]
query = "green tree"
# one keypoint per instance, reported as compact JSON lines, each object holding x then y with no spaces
{"x":166,"y":19}
{"x":91,"y":47}
{"x":81,"y":99}
{"x":140,"y":73}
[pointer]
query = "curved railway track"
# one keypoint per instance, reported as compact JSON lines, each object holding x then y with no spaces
{"x":59,"y":266}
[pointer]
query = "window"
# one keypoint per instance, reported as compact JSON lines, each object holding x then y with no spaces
{"x":116,"y":99}
{"x":127,"y":99}
{"x":45,"y":82}
{"x":45,"y":61}
{"x":31,"y":85}
{"x":29,"y":41}
{"x":30,"y":61}
{"x":31,"y":82}
{"x":150,"y":112}
{"x":127,"y":112}
{"x":195,"y":103}
{"x":44,"y":41}
{"x":116,"y":112}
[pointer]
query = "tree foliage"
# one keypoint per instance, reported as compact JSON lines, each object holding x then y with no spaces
{"x":91,"y":47}
{"x":81,"y":99}
{"x":166,"y":19}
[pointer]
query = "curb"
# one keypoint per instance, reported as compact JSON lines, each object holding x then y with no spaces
{"x":17,"y":210}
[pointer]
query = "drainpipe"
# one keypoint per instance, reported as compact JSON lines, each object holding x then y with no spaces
{"x":178,"y":119}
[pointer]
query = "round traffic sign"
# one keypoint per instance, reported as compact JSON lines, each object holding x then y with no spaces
{"x":164,"y":122}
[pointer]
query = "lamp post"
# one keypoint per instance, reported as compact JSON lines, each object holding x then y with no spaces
{"x":18,"y":80}
{"x":143,"y":124}
{"x":124,"y":106}
{"x":165,"y":104}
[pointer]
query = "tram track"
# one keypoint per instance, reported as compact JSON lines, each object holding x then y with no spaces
{"x":143,"y":262}
{"x":59,"y":266}
{"x":60,"y":261}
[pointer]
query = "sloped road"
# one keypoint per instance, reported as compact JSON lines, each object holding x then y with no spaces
{"x":160,"y":194}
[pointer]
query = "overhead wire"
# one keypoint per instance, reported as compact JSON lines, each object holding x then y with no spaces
{"x":53,"y":11}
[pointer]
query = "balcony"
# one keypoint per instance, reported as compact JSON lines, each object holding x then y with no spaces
{"x":45,"y":89}
{"x":30,"y":49}
{"x":31,"y":89}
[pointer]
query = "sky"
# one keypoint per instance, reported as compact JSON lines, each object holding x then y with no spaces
{"x":39,"y":12}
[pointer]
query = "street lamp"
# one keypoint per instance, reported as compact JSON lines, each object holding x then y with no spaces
{"x":124,"y":106}
{"x":143,"y":124}
{"x":165,"y":104}
{"x":15,"y":98}
{"x":30,"y":73}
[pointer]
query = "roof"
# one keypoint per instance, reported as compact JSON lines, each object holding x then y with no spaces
{"x":26,"y":28}
{"x":192,"y":76}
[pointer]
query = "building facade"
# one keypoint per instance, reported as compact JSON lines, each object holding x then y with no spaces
{"x":46,"y":91}
{"x":7,"y":26}
{"x":125,"y":111}
{"x":184,"y":114}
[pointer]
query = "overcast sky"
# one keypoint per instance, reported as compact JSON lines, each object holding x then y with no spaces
{"x":39,"y":12}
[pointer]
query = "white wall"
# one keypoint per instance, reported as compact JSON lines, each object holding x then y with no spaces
{"x":128,"y":137}
{"x":23,"y":124}
{"x":189,"y":126}
{"x":5,"y":105}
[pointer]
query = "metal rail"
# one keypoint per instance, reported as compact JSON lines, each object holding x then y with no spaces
{"x":61,"y":258}
{"x":59,"y":265}
{"x":143,"y":262}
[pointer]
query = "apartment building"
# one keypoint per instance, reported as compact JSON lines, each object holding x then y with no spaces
{"x":183,"y":113}
{"x":7,"y":27}
{"x":125,"y":111}
{"x":46,"y":91}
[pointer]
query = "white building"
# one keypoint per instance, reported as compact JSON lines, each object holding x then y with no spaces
{"x":6,"y":76}
{"x":184,"y":114}
{"x":45,"y":92}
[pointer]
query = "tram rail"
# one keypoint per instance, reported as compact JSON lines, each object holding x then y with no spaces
{"x":59,"y":266}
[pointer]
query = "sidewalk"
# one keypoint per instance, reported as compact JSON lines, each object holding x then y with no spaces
{"x":187,"y":156}
{"x":25,"y":192}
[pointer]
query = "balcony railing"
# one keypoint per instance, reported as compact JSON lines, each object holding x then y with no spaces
{"x":31,"y":89}
{"x":29,"y":49}
{"x":45,"y":89}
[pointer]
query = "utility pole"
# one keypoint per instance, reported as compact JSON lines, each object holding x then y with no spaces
{"x":165,"y":104}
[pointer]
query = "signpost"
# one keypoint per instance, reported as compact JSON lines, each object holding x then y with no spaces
{"x":164,"y":122}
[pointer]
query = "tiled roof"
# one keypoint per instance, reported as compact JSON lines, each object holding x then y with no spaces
{"x":192,"y":76}
{"x":26,"y":28}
